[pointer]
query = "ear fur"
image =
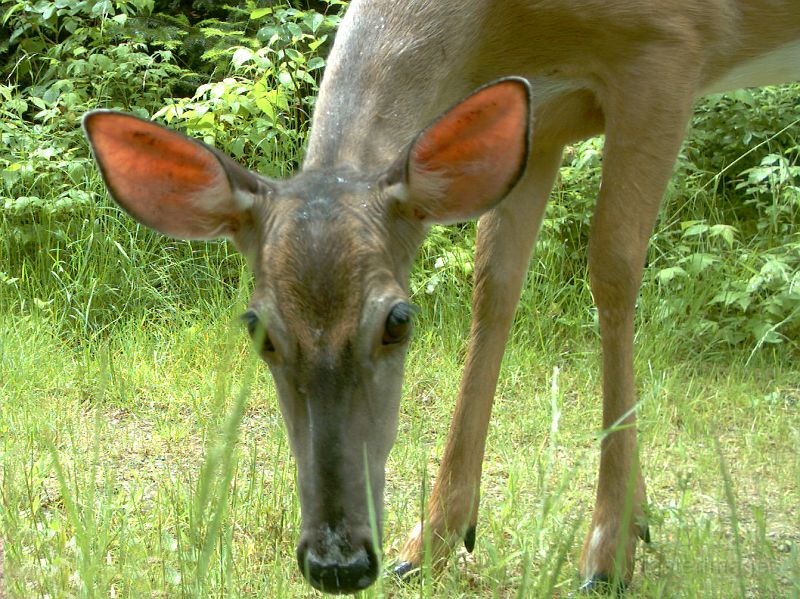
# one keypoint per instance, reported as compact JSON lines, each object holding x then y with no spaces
{"x":467,"y":160}
{"x":167,"y":181}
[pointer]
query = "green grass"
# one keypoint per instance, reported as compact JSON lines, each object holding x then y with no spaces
{"x":142,"y":453}
{"x":117,"y":479}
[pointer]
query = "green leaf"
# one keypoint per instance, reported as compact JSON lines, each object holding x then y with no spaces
{"x":267,"y":107}
{"x":726,"y":232}
{"x":314,"y":46}
{"x":665,"y":275}
{"x":742,"y":299}
{"x":236,"y":147}
{"x":295,"y":30}
{"x":694,"y":229}
{"x":295,"y":56}
{"x":260,"y":13}
{"x":286,"y":79}
{"x":241,"y":56}
{"x":313,"y":21}
{"x":698,"y":262}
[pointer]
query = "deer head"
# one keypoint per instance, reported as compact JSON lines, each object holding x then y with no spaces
{"x":331,"y":251}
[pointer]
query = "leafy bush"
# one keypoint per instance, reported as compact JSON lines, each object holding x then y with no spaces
{"x":65,"y":250}
{"x":260,"y":111}
{"x":724,"y":264}
{"x":243,"y":77}
{"x":68,"y":57}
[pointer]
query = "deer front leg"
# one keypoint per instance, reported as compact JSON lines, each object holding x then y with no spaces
{"x":644,"y":129}
{"x":505,"y":238}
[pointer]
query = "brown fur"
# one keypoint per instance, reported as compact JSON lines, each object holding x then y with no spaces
{"x":628,"y":68}
{"x":331,"y":249}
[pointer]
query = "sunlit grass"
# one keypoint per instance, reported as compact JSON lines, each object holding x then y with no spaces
{"x":120,"y":476}
{"x":143,"y":453}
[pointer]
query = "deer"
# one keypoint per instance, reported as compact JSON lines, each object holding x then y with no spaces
{"x":436,"y":113}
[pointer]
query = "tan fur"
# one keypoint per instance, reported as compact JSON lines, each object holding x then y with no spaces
{"x":628,"y":68}
{"x":331,"y":249}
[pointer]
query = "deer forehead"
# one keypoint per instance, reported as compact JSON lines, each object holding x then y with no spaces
{"x":321,"y":258}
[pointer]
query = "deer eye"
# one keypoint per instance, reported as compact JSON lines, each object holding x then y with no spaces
{"x":257,"y":331}
{"x":398,"y":323}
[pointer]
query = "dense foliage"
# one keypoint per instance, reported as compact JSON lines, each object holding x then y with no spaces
{"x":243,"y":76}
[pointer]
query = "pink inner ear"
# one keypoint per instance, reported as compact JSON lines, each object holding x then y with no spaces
{"x":472,"y":155}
{"x":165,"y":180}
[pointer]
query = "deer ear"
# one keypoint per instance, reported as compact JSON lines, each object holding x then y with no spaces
{"x":470,"y":157}
{"x":167,"y":181}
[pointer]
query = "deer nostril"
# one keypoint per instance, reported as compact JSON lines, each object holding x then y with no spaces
{"x":335,"y":570}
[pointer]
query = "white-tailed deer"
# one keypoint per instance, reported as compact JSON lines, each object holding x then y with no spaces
{"x":331,"y":248}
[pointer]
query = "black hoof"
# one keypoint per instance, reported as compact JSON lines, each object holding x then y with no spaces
{"x":469,"y":539}
{"x":599,"y":584}
{"x":406,"y":571}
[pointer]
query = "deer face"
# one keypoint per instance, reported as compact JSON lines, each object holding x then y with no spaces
{"x":330,"y":315}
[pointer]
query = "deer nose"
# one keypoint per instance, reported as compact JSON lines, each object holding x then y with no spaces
{"x":332,"y":567}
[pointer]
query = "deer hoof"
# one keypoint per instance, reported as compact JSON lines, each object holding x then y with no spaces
{"x":469,"y":539}
{"x":599,"y":584}
{"x":406,"y":571}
